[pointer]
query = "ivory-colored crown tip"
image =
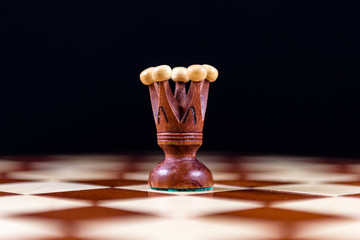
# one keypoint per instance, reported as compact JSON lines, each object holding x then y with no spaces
{"x":212,"y":73}
{"x":197,"y":72}
{"x":146,"y":76}
{"x":180,"y":74}
{"x":161,"y":73}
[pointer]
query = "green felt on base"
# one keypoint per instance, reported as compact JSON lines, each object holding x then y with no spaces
{"x":182,"y":189}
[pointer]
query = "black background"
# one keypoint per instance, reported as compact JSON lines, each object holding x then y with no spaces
{"x":288,"y":84}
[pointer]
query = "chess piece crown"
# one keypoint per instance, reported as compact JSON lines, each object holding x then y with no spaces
{"x":180,"y":112}
{"x":179,"y":119}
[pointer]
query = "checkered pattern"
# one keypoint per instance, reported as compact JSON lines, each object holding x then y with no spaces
{"x":107,"y":198}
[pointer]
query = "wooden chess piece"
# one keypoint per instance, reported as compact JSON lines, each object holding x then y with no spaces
{"x":179,"y":120}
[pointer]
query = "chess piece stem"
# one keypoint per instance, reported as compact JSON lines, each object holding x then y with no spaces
{"x":180,"y":169}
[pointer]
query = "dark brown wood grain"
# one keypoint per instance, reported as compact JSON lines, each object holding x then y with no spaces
{"x":179,"y":120}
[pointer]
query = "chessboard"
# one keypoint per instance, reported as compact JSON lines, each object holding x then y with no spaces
{"x":106,"y":197}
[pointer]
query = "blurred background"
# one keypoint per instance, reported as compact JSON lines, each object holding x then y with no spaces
{"x":288,"y":84}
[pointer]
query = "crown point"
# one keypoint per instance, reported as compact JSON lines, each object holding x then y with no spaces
{"x":180,"y":74}
{"x":197,"y":72}
{"x":146,"y":76}
{"x":161,"y":73}
{"x":212,"y":73}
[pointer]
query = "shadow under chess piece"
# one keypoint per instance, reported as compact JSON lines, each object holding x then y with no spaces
{"x":179,"y":120}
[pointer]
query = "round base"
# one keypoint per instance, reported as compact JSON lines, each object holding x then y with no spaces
{"x":180,"y":174}
{"x":182,"y":189}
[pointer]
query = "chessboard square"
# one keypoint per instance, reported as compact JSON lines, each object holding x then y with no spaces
{"x":351,"y":183}
{"x":251,"y":183}
{"x":103,"y":194}
{"x":21,"y":204}
{"x":45,"y":187}
{"x":113,"y":182}
{"x":216,"y":188}
{"x":62,"y":174}
{"x":82,"y":163}
{"x":303,"y":176}
{"x":343,"y":230}
{"x":285,"y":164}
{"x":266,"y":197}
{"x":219,"y":176}
{"x":6,"y":165}
{"x":4,"y":181}
{"x":138,"y":175}
{"x":219,"y":164}
{"x":66,"y":238}
{"x":177,"y":229}
{"x":5,"y":194}
{"x":180,"y":207}
{"x":276,"y":214}
{"x":83,"y":213}
{"x":268,"y":159}
{"x":352,"y":195}
{"x":354,"y":168}
{"x":341,"y":206}
{"x":146,"y":165}
{"x":21,"y":229}
{"x":316,"y":189}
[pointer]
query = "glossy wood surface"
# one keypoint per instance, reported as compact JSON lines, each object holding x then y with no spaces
{"x":179,"y":119}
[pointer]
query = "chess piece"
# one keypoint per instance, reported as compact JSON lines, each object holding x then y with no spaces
{"x":179,"y":120}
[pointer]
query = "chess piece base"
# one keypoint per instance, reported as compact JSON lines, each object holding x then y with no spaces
{"x":182,"y":189}
{"x":180,"y":170}
{"x":181,"y":174}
